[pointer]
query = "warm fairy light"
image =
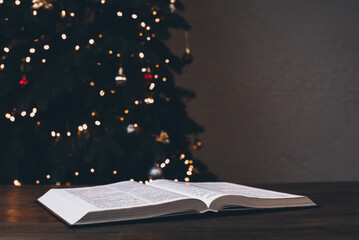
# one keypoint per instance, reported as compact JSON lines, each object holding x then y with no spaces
{"x":17,"y":2}
{"x":92,"y":170}
{"x":152,"y":86}
{"x":48,"y":176}
{"x":126,"y":111}
{"x":118,"y":55}
{"x":149,"y":100}
{"x":37,"y":182}
{"x":72,"y":14}
{"x":76,"y":173}
{"x":28,"y":59}
{"x":63,"y":13}
{"x":43,"y":60}
{"x":103,"y":1}
{"x":84,"y":126}
{"x":136,"y":102}
{"x":167,"y":60}
{"x":154,"y":13}
{"x":131,"y":180}
{"x":176,"y":180}
{"x":2,"y":66}
{"x":167,"y":161}
{"x":122,"y":119}
{"x":148,"y":28}
{"x":34,"y":110}
{"x":93,"y":114}
{"x":80,"y":128}
{"x":77,"y":47}
{"x":157,"y":20}
{"x":186,"y":162}
{"x":17,"y":183}
{"x":135,"y":125}
{"x":114,"y":172}
{"x":58,"y":134}
{"x":102,"y":93}
{"x":32,"y":50}
{"x":68,"y":134}
{"x":1,"y":1}
{"x":100,"y":36}
{"x":23,"y":113}
{"x":172,"y":1}
{"x":140,"y":34}
{"x":182,"y":156}
{"x":156,"y":76}
{"x":7,"y":115}
{"x":112,"y":91}
{"x":63,"y":36}
{"x":32,"y":114}
{"x":97,"y":123}
{"x":110,"y":52}
{"x":46,"y":47}
{"x":53,"y":134}
{"x":34,"y":12}
{"x":6,"y":49}
{"x":91,"y":41}
{"x":12,"y":119}
{"x":148,"y":38}
{"x":92,"y":84}
{"x":143,"y":24}
{"x":38,"y":123}
{"x":120,"y":14}
{"x":163,"y":165}
{"x":189,"y":173}
{"x":140,"y":182}
{"x":98,"y":64}
{"x":164,"y":79}
{"x":134,"y":16}
{"x":141,"y":55}
{"x":143,"y":69}
{"x":186,"y":179}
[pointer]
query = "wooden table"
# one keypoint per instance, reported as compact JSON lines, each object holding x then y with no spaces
{"x":336,"y":218}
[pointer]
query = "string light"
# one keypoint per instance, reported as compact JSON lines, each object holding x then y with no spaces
{"x":176,"y":180}
{"x":93,"y":114}
{"x":58,"y":134}
{"x":72,"y":14}
{"x":103,"y":1}
{"x":189,"y":173}
{"x":37,"y":182}
{"x":12,"y":119}
{"x":77,"y":47}
{"x":17,"y":183}
{"x":136,"y":102}
{"x":63,"y":36}
{"x":34,"y":12}
{"x":140,"y":182}
{"x":2,"y":66}
{"x":48,"y":176}
{"x":68,"y":134}
{"x":32,"y":50}
{"x":46,"y":47}
{"x":120,"y":14}
{"x":1,"y":1}
{"x":28,"y":59}
{"x":110,"y":52}
{"x":157,"y":20}
{"x":134,"y":16}
{"x":6,"y":49}
{"x":148,"y":28}
{"x":91,"y":41}
{"x":186,"y":162}
{"x":80,"y":128}
{"x":182,"y":156}
{"x":163,"y":165}
{"x":167,"y":161}
{"x":102,"y":93}
{"x":141,"y":55}
{"x":92,"y":84}
{"x":114,"y":172}
{"x":118,"y":55}
{"x":7,"y":115}
{"x":148,"y":38}
{"x":167,"y":60}
{"x":84,"y":126}
{"x":149,"y":100}
{"x":97,"y":123}
{"x":38,"y":123}
{"x":152,"y":86}
{"x":17,"y":2}
{"x":112,"y":91}
{"x":63,"y":13}
{"x":126,"y":111}
{"x":143,"y":69}
{"x":23,"y":113}
{"x":43,"y":60}
{"x":92,"y":170}
{"x":53,"y":134}
{"x":76,"y":173}
{"x":164,"y":79}
{"x":186,"y":179}
{"x":143,"y":24}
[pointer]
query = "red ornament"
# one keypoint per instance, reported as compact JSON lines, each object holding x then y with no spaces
{"x":23,"y":81}
{"x":148,"y":77}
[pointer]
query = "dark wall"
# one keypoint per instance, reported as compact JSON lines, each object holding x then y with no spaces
{"x":277,"y":86}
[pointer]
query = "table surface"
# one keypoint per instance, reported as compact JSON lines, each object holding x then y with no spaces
{"x":336,"y":218}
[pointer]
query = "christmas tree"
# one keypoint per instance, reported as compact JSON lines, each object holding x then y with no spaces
{"x":88,"y":95}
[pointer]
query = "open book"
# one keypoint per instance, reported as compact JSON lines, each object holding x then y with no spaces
{"x":132,"y":200}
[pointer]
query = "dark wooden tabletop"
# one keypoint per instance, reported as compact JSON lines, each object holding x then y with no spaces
{"x":336,"y":218}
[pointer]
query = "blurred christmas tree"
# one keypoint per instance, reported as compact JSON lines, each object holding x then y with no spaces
{"x":88,"y":95}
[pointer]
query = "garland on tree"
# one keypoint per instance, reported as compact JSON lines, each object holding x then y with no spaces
{"x":88,"y":95}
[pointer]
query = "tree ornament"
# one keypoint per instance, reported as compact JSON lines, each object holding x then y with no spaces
{"x":46,"y":4}
{"x":121,"y":78}
{"x":163,"y":138}
{"x":197,"y":144}
{"x":187,"y":57}
{"x":155,"y":172}
{"x":23,"y":81}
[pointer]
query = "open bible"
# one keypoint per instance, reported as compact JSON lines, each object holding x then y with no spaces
{"x":131,"y":200}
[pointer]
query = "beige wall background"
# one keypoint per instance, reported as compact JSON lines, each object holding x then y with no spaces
{"x":277,"y":86}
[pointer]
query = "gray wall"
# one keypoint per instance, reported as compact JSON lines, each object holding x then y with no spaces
{"x":277,"y":88}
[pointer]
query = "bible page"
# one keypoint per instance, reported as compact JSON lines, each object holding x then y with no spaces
{"x":121,"y":195}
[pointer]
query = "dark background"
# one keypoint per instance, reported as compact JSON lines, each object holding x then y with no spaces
{"x":277,"y":88}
